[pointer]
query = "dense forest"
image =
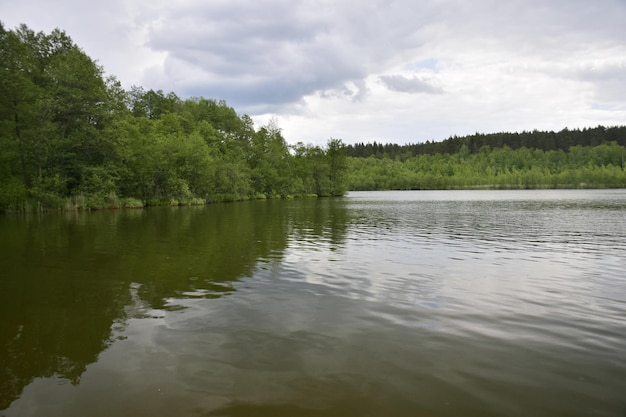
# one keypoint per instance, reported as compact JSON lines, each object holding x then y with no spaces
{"x":545,"y":141}
{"x":73,"y":138}
{"x":600,"y":166}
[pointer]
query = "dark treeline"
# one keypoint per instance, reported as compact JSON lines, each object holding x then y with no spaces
{"x":73,"y":138}
{"x":545,"y":141}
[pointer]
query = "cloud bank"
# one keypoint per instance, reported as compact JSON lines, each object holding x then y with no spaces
{"x":398,"y":71}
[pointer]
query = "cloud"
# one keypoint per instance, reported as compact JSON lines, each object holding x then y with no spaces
{"x":276,"y":52}
{"x":327,"y":68}
{"x":608,"y":78}
{"x":412,"y":85}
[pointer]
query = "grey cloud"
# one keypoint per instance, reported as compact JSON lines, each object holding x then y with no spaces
{"x":361,"y":91}
{"x":536,"y":25}
{"x":277,"y":51}
{"x":273,"y":52}
{"x":411,"y":85}
{"x":608,"y":80}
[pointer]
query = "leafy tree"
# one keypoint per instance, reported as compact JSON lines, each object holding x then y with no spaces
{"x":336,"y":155}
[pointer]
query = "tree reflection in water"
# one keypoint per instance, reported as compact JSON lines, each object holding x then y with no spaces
{"x":69,"y":281}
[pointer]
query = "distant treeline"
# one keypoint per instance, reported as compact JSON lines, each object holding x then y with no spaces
{"x":545,"y":141}
{"x":600,"y":166}
{"x":587,"y":158}
{"x":71,"y":138}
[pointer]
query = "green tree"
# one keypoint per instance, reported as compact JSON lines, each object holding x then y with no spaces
{"x":336,"y":154}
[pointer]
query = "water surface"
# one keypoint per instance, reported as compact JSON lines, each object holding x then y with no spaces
{"x":442,"y":303}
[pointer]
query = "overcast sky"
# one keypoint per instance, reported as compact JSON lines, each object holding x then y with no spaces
{"x":386,"y":70}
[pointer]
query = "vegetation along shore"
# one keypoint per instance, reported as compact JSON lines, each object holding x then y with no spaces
{"x":72,"y":138}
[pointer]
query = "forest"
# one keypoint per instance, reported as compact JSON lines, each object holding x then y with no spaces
{"x":72,"y":138}
{"x":600,"y":166}
{"x":545,"y":141}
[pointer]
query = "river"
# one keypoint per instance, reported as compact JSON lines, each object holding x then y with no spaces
{"x":414,"y":303}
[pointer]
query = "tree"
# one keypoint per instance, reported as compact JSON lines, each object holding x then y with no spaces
{"x":336,"y":154}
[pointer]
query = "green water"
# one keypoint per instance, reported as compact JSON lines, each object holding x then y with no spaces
{"x":377,"y":304}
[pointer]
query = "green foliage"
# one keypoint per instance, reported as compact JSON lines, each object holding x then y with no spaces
{"x":598,"y":166}
{"x":71,"y":139}
{"x":318,"y":171}
{"x":12,"y":194}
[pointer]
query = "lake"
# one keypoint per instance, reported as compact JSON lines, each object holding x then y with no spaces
{"x":415,"y":303}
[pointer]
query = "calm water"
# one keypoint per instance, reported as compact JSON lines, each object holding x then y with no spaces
{"x":462,"y":303}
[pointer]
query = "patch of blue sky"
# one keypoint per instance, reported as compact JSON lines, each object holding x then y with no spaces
{"x":427,"y":64}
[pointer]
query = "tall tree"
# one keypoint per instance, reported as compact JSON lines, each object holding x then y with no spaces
{"x":336,"y":154}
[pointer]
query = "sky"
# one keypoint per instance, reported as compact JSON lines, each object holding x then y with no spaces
{"x":391,"y":71}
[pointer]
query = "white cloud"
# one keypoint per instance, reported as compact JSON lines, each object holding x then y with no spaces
{"x":394,"y":71}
